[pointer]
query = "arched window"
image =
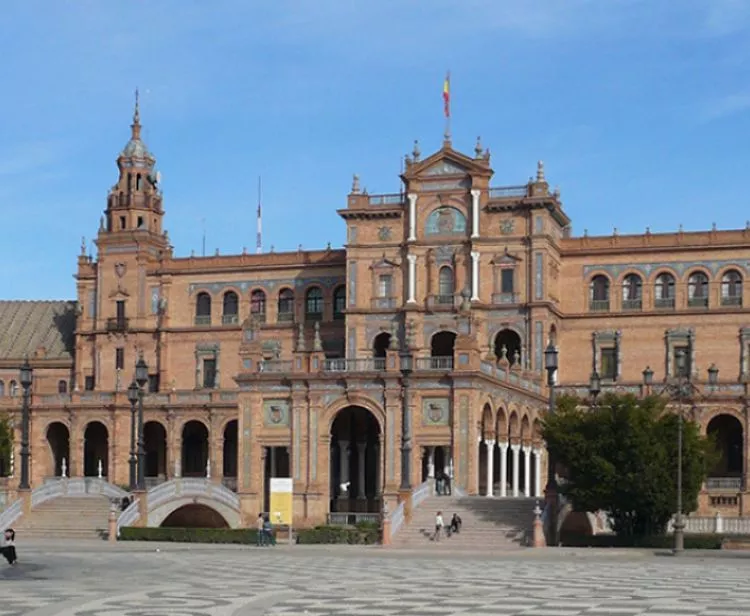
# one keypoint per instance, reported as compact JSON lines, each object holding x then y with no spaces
{"x":230,"y":312}
{"x":258,"y":305}
{"x":13,"y":389}
{"x":632,"y":288}
{"x":599,"y":294}
{"x":203,"y":309}
{"x":664,"y":291}
{"x":314,"y":304}
{"x":339,"y":303}
{"x":731,"y":288}
{"x":286,"y":305}
{"x":62,"y":387}
{"x":446,"y":286}
{"x":697,"y":290}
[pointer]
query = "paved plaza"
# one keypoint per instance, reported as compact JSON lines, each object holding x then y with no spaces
{"x":96,"y":579}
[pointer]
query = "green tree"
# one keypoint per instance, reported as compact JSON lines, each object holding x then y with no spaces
{"x":6,"y":444}
{"x":621,"y":457}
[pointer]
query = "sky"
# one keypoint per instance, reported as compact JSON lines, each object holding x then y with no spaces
{"x":640,"y":110}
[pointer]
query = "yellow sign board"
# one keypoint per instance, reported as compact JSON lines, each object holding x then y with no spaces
{"x":281,"y":501}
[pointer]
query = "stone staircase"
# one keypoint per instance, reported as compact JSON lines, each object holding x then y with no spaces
{"x":488,"y":523}
{"x":66,"y":518}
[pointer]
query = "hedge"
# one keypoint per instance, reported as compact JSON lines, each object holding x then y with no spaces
{"x":692,"y":542}
{"x":361,"y":534}
{"x":190,"y":535}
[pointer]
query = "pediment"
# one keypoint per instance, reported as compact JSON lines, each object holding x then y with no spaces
{"x":445,"y":167}
{"x":119,"y":292}
{"x":507,"y":259}
{"x":383,"y":263}
{"x":446,"y":162}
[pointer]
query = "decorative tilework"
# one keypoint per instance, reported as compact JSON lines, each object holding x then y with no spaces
{"x":538,"y":224}
{"x":155,"y":297}
{"x":313,"y":444}
{"x":463,"y":359}
{"x":297,"y":449}
{"x":92,"y":304}
{"x":247,"y":444}
{"x":615,"y":270}
{"x":268,"y":284}
{"x":352,"y":234}
{"x":538,"y":345}
{"x":435,"y":411}
{"x":141,"y":290}
{"x":352,"y":284}
{"x":445,"y":221}
{"x":538,"y":275}
{"x":352,"y":343}
{"x":247,"y":364}
{"x":276,"y":413}
{"x":391,"y":459}
{"x":445,"y":167}
{"x":463,"y":428}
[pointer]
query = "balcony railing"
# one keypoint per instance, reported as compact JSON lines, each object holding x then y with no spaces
{"x":664,"y":303}
{"x":203,"y":319}
{"x":731,"y":300}
{"x":368,"y":364}
{"x":117,"y":324}
{"x":434,"y":363}
{"x":275,"y":365}
{"x":383,"y":303}
{"x":352,"y":519}
{"x":285,"y":317}
{"x":697,"y":302}
{"x":632,"y":304}
{"x":504,"y":192}
{"x":229,"y":319}
{"x":391,"y":199}
{"x":599,"y":305}
{"x":724,"y":484}
{"x":258,"y":317}
{"x":313,"y":316}
{"x":506,"y":298}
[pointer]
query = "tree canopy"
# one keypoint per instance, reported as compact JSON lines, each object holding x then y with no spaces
{"x":620,"y":457}
{"x":6,"y":444}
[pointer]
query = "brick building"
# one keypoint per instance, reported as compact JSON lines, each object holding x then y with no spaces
{"x":289,"y":364}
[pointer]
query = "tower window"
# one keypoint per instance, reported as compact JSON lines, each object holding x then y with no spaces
{"x":138,"y":182}
{"x":119,"y":358}
{"x":123,"y":224}
{"x":209,"y":373}
{"x":140,"y":222}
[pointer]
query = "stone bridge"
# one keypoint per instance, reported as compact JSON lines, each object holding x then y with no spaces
{"x":166,"y":498}
{"x":81,"y":487}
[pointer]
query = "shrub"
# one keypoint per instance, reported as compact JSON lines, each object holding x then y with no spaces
{"x":692,"y":542}
{"x":189,"y":535}
{"x":361,"y":534}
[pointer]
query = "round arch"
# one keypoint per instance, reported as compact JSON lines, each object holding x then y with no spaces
{"x":195,"y":515}
{"x":442,"y":343}
{"x":727,"y":433}
{"x":159,"y":514}
{"x":508,"y":345}
{"x":58,"y":441}
{"x":501,"y":424}
{"x":662,"y":270}
{"x":333,"y":409}
{"x":155,"y":445}
{"x":696,"y":269}
{"x":95,"y":449}
{"x":380,"y":344}
{"x":514,"y":428}
{"x":195,"y":436}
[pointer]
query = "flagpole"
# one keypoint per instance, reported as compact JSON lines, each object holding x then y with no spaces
{"x":447,"y":106}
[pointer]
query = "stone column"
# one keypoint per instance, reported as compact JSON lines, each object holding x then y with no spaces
{"x":474,"y":276}
{"x":527,"y":471}
{"x":272,"y":453}
{"x":503,"y":445}
{"x":515,"y":449}
{"x":479,"y":463}
{"x":378,"y":462}
{"x":537,"y":473}
{"x":475,"y":213}
{"x":344,"y":462}
{"x":361,"y":451}
{"x":412,"y":217}
{"x":447,"y":467}
{"x":412,"y":282}
{"x":430,"y":462}
{"x":490,"y":466}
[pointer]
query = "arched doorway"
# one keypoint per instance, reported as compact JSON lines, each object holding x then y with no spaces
{"x":155,"y":444}
{"x":58,"y":439}
{"x":380,"y":344}
{"x":726,"y":431}
{"x":95,"y":450}
{"x":230,"y":454}
{"x":508,"y":346}
{"x":442,"y":344}
{"x":355,"y":461}
{"x":194,"y":449}
{"x":195,"y":516}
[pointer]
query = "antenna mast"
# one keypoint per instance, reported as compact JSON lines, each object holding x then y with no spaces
{"x":259,"y":231}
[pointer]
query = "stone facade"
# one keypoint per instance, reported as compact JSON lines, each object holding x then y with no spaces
{"x":291,"y":364}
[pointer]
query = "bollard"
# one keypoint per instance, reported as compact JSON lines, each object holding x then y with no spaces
{"x":112,"y":525}
{"x":538,"y":533}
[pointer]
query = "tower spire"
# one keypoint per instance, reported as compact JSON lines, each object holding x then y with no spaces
{"x":258,"y":239}
{"x":136,"y":125}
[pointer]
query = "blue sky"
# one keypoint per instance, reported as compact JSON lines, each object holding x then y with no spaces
{"x":639,"y":108}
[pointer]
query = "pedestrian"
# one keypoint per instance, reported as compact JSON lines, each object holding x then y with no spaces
{"x":261,"y":528}
{"x":8,"y":547}
{"x":438,"y":526}
{"x":268,"y":531}
{"x":456,"y":523}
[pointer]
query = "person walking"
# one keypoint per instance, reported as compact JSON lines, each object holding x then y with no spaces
{"x":261,"y":534}
{"x":8,"y":547}
{"x":438,"y":526}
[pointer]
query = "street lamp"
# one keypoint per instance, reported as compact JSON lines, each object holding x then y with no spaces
{"x":133,"y":399}
{"x":141,"y":378}
{"x":595,"y":386}
{"x":406,"y":370}
{"x":550,"y":365}
{"x":26,"y":378}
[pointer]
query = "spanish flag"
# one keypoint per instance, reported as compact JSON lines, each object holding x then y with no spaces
{"x":447,"y":95}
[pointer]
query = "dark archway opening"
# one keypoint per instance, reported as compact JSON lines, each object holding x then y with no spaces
{"x":726,"y":431}
{"x":508,"y":346}
{"x":229,"y":470}
{"x":355,"y":472}
{"x":194,"y":449}
{"x":155,"y":444}
{"x":96,"y":450}
{"x":195,"y":516}
{"x":58,"y":438}
{"x":277,"y":463}
{"x":442,"y":344}
{"x":380,"y":344}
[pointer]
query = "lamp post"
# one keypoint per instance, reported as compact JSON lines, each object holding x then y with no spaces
{"x":133,"y":399}
{"x":26,"y":378}
{"x":680,"y":389}
{"x":406,"y":370}
{"x":595,"y":386}
{"x":141,"y":378}
{"x":550,"y":365}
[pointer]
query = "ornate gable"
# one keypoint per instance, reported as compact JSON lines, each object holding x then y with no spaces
{"x":445,"y":167}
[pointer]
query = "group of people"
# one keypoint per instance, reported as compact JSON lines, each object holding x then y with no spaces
{"x":265,"y":531}
{"x":454,"y":527}
{"x":8,"y":546}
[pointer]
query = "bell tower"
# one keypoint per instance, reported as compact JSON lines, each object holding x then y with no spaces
{"x":135,"y":202}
